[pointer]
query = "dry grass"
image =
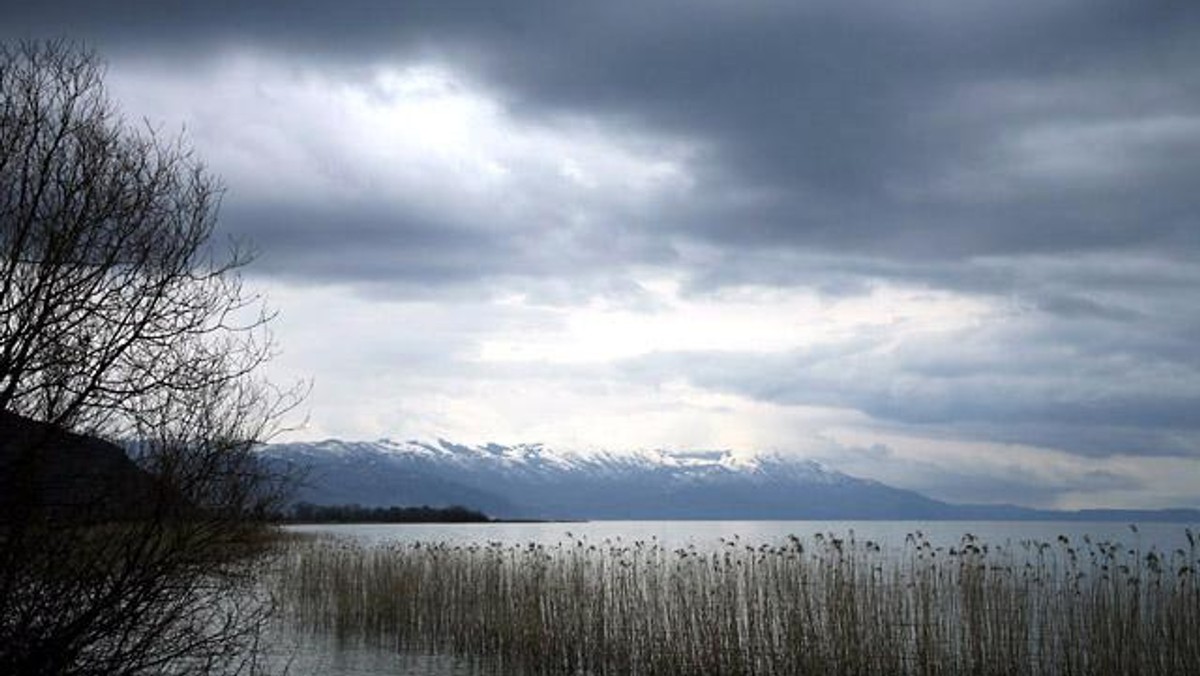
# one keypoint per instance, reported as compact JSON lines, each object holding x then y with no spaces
{"x":827,"y":605}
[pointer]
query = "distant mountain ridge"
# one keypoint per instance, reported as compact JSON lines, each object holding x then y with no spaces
{"x":532,"y":481}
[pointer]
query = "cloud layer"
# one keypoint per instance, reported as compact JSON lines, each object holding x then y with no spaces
{"x":825,"y":227}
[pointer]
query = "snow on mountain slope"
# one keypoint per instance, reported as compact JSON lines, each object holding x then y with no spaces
{"x":534,"y":481}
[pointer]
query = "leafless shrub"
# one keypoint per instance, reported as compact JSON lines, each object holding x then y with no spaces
{"x":121,"y":319}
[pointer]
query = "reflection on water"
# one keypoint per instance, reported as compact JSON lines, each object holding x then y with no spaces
{"x":302,"y":655}
{"x":1164,"y":537}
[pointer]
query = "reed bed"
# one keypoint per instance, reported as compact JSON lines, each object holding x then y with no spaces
{"x":824,"y":605}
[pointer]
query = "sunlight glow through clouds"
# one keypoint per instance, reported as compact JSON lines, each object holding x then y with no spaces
{"x":749,"y":319}
{"x":603,"y":414}
{"x":964,"y":261}
{"x":512,"y":365}
{"x":513,"y":371}
{"x":418,"y":131}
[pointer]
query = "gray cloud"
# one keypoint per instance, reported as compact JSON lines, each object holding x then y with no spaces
{"x":919,"y":132}
{"x":1040,"y":156}
{"x":1055,"y":382}
{"x":1005,"y":482}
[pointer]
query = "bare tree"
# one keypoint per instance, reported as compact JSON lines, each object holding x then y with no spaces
{"x":121,"y":319}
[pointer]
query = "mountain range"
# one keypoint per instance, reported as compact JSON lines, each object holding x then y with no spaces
{"x":532,"y":481}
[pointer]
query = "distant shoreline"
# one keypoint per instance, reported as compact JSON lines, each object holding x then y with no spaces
{"x":290,"y":522}
{"x":309,"y":513}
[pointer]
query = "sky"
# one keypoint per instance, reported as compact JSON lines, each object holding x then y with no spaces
{"x":951,"y":245}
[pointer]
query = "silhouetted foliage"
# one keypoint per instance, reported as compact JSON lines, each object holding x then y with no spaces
{"x":306,"y":512}
{"x":121,"y":320}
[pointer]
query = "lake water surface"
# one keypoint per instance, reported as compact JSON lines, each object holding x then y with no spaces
{"x":1164,"y":537}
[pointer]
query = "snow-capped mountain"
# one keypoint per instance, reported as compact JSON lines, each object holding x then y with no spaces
{"x":534,"y":481}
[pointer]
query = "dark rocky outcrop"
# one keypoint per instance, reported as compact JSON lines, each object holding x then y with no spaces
{"x":47,"y":473}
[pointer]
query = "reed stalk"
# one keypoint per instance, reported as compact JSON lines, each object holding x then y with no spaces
{"x":827,"y":605}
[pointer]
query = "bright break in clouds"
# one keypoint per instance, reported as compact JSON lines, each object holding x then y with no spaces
{"x":948,"y":245}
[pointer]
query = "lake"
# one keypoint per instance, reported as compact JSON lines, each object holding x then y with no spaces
{"x":325,"y":653}
{"x":1164,"y":537}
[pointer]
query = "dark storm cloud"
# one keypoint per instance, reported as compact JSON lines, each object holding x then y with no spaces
{"x":318,"y":244}
{"x":410,"y":252}
{"x":918,"y":131}
{"x":897,"y":130}
{"x":1038,"y":154}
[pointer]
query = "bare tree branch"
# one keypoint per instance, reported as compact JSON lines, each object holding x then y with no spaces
{"x":120,"y":318}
